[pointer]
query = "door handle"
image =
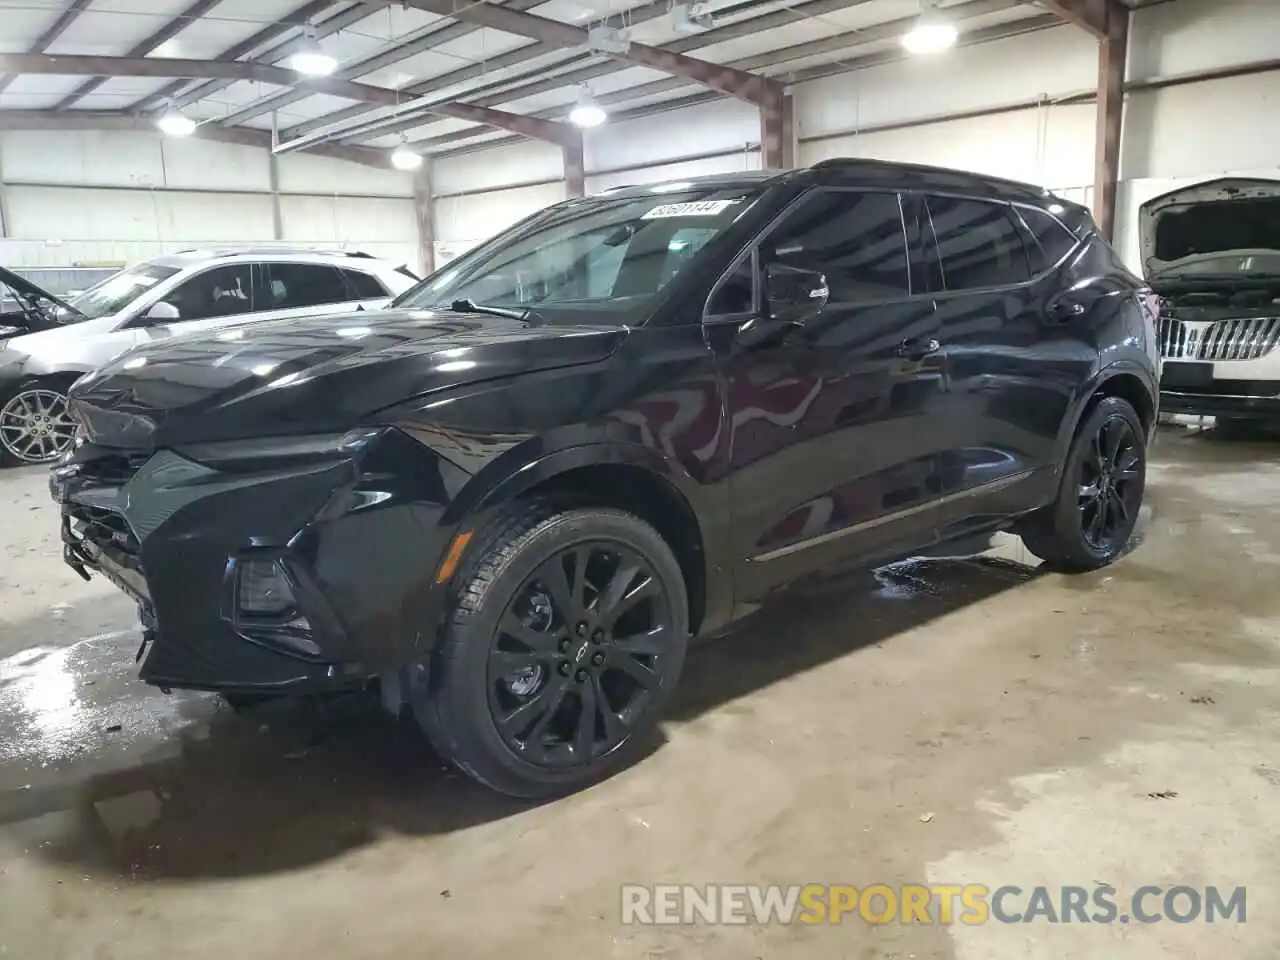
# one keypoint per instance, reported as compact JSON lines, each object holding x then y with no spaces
{"x":917,"y":348}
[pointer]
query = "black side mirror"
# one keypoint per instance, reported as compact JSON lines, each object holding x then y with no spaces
{"x":792,"y":298}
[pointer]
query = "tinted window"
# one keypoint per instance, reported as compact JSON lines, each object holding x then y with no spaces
{"x":978,"y":243}
{"x":1054,"y":239}
{"x":303,"y":285}
{"x":736,"y":293}
{"x":856,"y":239}
{"x":220,"y":292}
{"x":363,"y":286}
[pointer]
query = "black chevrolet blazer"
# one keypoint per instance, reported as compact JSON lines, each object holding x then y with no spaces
{"x":512,"y":497}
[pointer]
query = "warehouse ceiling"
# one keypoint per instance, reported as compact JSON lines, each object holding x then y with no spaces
{"x":442,"y":75}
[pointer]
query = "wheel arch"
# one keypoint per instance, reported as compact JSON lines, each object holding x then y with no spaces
{"x":1125,"y":380}
{"x":624,"y":476}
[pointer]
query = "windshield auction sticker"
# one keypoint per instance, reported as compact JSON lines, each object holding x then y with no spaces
{"x":693,"y":208}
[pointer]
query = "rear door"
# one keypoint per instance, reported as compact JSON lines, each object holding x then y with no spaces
{"x":1012,"y":368}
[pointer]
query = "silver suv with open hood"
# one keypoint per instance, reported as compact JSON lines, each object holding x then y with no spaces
{"x":1212,"y":254}
{"x":47,"y":343}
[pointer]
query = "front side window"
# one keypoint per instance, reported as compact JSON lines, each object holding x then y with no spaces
{"x":119,"y":290}
{"x":220,"y":292}
{"x":610,"y":254}
{"x":978,"y":243}
{"x":855,"y":239}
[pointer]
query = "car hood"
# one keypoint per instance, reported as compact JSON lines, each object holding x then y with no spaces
{"x":1195,"y":225}
{"x":312,"y":375}
{"x":24,"y":287}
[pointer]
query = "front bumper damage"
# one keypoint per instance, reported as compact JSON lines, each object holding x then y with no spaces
{"x":294,"y":577}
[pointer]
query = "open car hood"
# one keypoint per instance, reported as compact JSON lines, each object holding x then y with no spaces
{"x":25,"y":287}
{"x":1192,"y":224}
{"x":20,"y":322}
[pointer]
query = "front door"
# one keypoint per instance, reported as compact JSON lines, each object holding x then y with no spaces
{"x":834,"y":428}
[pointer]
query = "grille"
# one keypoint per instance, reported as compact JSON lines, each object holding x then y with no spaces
{"x":112,"y":470}
{"x":1244,"y":339}
{"x":104,"y":528}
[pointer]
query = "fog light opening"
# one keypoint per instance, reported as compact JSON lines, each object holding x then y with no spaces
{"x":264,"y":589}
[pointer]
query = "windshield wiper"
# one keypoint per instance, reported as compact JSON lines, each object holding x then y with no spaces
{"x":511,"y":313}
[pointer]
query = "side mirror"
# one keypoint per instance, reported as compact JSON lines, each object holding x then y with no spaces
{"x":792,"y":297}
{"x":163,"y":312}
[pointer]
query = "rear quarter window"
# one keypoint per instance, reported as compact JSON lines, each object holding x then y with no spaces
{"x":1054,"y":239}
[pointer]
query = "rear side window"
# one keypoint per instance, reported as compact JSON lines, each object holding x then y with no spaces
{"x":363,"y":286}
{"x":291,"y":285}
{"x":1055,"y":240}
{"x":979,"y":244}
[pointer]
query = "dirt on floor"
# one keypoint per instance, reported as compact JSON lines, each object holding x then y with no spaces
{"x":957,"y":721}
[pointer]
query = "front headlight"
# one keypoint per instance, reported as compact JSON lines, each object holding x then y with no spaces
{"x":273,"y":451}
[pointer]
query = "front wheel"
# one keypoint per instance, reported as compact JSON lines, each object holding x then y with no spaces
{"x":569,"y":632}
{"x":1104,"y":477}
{"x":35,"y":425}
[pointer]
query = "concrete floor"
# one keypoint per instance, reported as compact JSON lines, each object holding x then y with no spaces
{"x":1033,"y":716}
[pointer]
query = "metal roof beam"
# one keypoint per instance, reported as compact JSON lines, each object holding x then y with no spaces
{"x":181,"y":93}
{"x":734,"y":83}
{"x":52,"y":33}
{"x":144,"y":48}
{"x":533,"y":127}
{"x":1090,"y":15}
{"x":435,"y":37}
{"x":105,"y":120}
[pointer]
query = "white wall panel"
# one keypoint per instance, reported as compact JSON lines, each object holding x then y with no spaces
{"x":1193,"y":35}
{"x":1047,"y":145}
{"x":1045,"y":64}
{"x":382,"y":227}
{"x":203,"y":165}
{"x":87,"y":157}
{"x":720,"y":125}
{"x":308,"y":173}
{"x":475,"y":217}
{"x":729,"y":163}
{"x":526,"y":162}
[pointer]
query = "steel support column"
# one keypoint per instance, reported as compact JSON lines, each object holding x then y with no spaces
{"x":1112,"y":60}
{"x":777,"y":131}
{"x":575,"y":170}
{"x":424,"y":208}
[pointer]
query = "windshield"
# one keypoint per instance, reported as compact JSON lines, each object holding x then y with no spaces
{"x":119,"y":290}
{"x":569,"y":263}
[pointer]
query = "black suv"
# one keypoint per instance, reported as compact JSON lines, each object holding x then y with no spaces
{"x":511,"y":498}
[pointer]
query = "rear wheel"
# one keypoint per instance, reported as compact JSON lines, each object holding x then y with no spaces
{"x":1104,"y":478}
{"x":35,"y":424}
{"x":569,"y":633}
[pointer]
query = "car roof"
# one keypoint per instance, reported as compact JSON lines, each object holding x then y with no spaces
{"x":183,"y":259}
{"x":856,"y":172}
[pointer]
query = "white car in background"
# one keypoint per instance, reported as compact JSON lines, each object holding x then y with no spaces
{"x":47,"y":343}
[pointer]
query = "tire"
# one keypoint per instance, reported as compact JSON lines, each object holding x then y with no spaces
{"x":516,"y":648}
{"x":35,"y":425}
{"x":1064,"y":534}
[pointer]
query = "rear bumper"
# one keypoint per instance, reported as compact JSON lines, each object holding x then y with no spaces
{"x":358,"y":541}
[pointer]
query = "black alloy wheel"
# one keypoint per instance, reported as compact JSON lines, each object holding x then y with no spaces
{"x":1111,"y":484}
{"x":575,"y":658}
{"x":1090,"y":523}
{"x":567,"y":634}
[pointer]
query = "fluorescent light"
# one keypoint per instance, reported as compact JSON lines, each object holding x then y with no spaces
{"x":586,"y":112}
{"x":175,"y":124}
{"x":932,"y":32}
{"x":402,"y":158}
{"x":310,"y":60}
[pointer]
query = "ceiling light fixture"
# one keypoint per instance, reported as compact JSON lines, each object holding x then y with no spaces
{"x":175,"y":124}
{"x":309,"y":59}
{"x":932,"y":32}
{"x":587,"y":112}
{"x":691,"y":18}
{"x":402,"y":158}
